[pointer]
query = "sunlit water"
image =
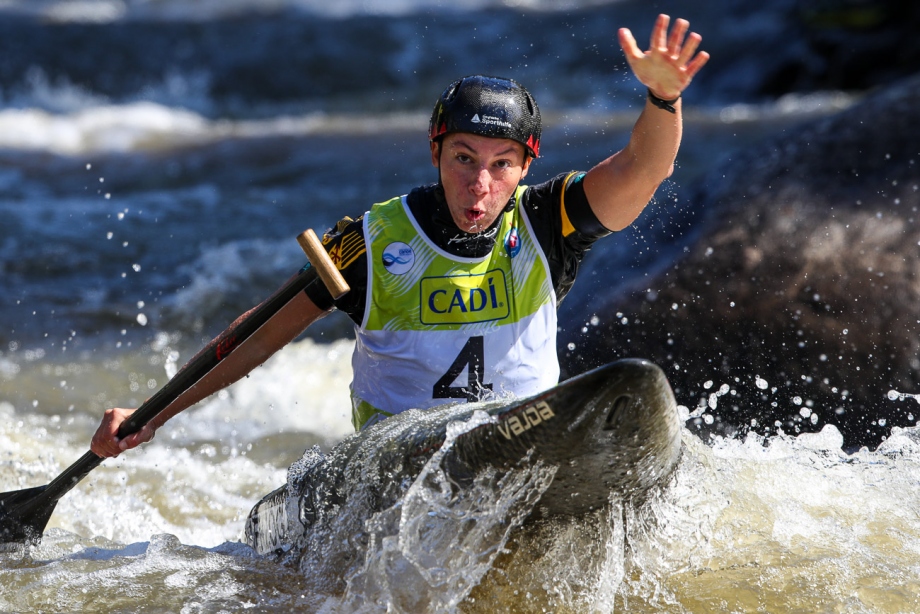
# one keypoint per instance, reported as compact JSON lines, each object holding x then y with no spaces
{"x":778,"y":524}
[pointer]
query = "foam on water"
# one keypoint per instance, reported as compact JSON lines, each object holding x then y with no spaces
{"x":427,"y":552}
{"x":774,"y":524}
{"x":206,"y":468}
{"x":62,"y":120}
{"x":146,"y":126}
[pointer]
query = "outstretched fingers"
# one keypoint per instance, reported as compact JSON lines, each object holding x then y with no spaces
{"x":672,"y":59}
{"x":629,"y":45}
{"x":696,"y":63}
{"x":676,"y":39}
{"x":659,"y":36}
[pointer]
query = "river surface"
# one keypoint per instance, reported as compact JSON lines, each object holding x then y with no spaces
{"x":157,"y":160}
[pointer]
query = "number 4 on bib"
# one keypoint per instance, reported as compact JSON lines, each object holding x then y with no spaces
{"x":472,"y":359}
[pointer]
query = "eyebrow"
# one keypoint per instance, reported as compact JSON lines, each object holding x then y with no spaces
{"x":460,"y":142}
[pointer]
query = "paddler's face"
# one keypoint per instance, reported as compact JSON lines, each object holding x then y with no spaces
{"x":479,"y":175}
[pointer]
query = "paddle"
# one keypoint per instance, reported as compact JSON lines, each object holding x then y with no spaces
{"x":24,"y":513}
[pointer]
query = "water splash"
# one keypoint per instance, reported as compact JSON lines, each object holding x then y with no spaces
{"x":427,"y":549}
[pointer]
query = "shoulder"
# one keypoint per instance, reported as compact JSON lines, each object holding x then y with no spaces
{"x":346,"y":225}
{"x":564,"y":225}
{"x":345,"y":242}
{"x":562,"y":203}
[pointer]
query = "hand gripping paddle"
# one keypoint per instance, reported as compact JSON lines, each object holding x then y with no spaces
{"x":24,"y":513}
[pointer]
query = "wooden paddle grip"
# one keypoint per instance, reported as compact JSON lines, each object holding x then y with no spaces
{"x":323,"y":264}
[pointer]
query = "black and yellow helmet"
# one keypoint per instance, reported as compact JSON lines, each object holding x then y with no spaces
{"x":488,"y":106}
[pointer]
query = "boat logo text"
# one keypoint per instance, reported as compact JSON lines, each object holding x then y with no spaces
{"x":523,"y":421}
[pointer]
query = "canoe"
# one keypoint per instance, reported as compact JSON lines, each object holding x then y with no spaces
{"x":611,"y":432}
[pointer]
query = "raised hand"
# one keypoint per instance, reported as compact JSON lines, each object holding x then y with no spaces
{"x":671,"y":60}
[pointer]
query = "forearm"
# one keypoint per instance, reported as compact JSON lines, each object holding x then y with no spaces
{"x":231,"y":369}
{"x":655,"y":140}
{"x":650,"y":154}
{"x":621,"y":186}
{"x":280,"y":330}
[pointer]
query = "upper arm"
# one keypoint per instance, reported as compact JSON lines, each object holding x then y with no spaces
{"x":619,"y":188}
{"x":564,"y":224}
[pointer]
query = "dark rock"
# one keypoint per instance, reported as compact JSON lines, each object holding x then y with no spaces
{"x":851,"y":45}
{"x":804,"y":276}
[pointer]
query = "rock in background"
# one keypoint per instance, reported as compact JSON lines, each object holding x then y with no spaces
{"x":798,"y":302}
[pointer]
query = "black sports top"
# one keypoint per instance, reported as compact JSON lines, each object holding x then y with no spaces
{"x":558,"y":211}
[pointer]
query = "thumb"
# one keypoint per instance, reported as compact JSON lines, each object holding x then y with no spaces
{"x":135,"y":439}
{"x":628,"y":44}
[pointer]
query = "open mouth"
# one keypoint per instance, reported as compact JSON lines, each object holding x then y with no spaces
{"x":475,"y":215}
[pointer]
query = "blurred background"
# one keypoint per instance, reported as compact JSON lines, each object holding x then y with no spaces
{"x":158,"y":158}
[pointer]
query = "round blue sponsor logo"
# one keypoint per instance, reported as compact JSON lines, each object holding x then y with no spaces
{"x":398,"y":258}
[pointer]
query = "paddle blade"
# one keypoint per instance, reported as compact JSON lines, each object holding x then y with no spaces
{"x":23,"y":515}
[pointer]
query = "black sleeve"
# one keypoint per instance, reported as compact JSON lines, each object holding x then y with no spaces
{"x":565,"y":226}
{"x":345,"y":246}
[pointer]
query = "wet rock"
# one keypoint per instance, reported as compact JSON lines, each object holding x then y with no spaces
{"x":798,"y":304}
{"x":848,"y":44}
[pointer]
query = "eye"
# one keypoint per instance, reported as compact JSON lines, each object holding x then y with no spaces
{"x":463,"y":158}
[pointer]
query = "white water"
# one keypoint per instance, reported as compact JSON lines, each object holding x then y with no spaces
{"x":63,"y":119}
{"x":200,"y":476}
{"x":778,"y":524}
{"x":150,"y":126}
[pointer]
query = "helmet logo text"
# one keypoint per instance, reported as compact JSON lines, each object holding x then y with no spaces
{"x":491,"y":120}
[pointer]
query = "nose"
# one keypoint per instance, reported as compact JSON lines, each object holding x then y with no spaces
{"x":481,"y":181}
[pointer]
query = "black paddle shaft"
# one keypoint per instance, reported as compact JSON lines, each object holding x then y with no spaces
{"x":24,"y":513}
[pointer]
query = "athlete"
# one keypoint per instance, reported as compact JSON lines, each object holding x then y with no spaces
{"x":454,"y":286}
